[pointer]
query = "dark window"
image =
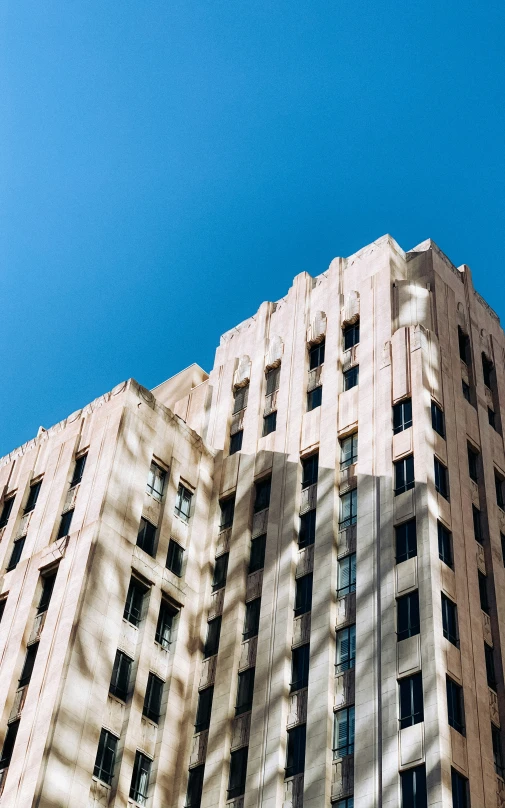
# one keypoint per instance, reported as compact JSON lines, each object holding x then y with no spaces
{"x":257,"y":556}
{"x":477,"y":525}
{"x":411,"y":700}
{"x":450,"y":620}
{"x":490,"y":670}
{"x":262,"y":494}
{"x":465,"y":387}
{"x":307,"y":534}
{"x":497,"y":750}
{"x":348,"y":509}
{"x":165,"y":625}
{"x":502,"y":539}
{"x":437,"y":419}
{"x":183,"y":503}
{"x":220,"y":572}
{"x":464,"y":345}
{"x":444,"y":544}
{"x":140,"y":778}
{"x":459,"y":784}
{"x":348,"y":450}
{"x":252,"y":619}
{"x":402,"y":415}
{"x":345,"y":657}
{"x":346,"y":575}
{"x":498,"y":482}
{"x":314,"y":398}
{"x":152,"y":701}
{"x":347,"y":802}
{"x":245,"y":691}
{"x":204,"y":709}
{"x":121,"y":675}
{"x":441,"y":483}
{"x":17,"y":549}
{"x":404,"y":474}
{"x":238,"y":772}
{"x":351,"y":335}
{"x":303,"y":594}
{"x":134,"y":601}
{"x":406,"y":541}
{"x":240,"y":397}
{"x":408,"y":623}
{"x":6,"y":511}
{"x":227,"y":512}
{"x":414,"y":793}
{"x":273,"y":379}
{"x":351,"y":377}
{"x":175,"y":557}
{"x":269,"y":423}
{"x":105,"y":757}
{"x":316,"y":355}
{"x":343,"y":733}
{"x":78,"y":471}
{"x":473,"y":463}
{"x":46,"y":594}
{"x":33,"y":496}
{"x":8,"y":747}
{"x":146,"y":536}
{"x":26,"y":673}
{"x":66,"y":521}
{"x":295,"y":752}
{"x":299,"y":667}
{"x":455,"y":706}
{"x":195,"y":787}
{"x":236,"y":442}
{"x":487,"y":370}
{"x":310,"y":470}
{"x":3,"y":603}
{"x":484,"y":601}
{"x":212,"y":640}
{"x":156,"y":482}
{"x":491,"y":417}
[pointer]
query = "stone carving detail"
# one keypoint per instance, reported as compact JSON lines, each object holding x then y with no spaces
{"x":346,"y":610}
{"x":343,"y":777}
{"x":317,"y":328}
{"x":274,"y":352}
{"x":351,"y":308}
{"x":346,"y":541}
{"x":208,"y":672}
{"x":243,"y":372}
{"x":254,"y":585}
{"x":301,"y":629}
{"x":305,"y":563}
{"x":216,"y":603}
{"x":309,"y":499}
{"x":297,"y":708}
{"x":486,"y":627}
{"x":240,"y":731}
{"x":248,"y":654}
{"x":293,"y":797}
{"x":259,"y":523}
{"x":344,"y":688}
{"x":99,"y":794}
{"x":315,"y":378}
{"x":493,"y":707}
{"x":198,"y":748}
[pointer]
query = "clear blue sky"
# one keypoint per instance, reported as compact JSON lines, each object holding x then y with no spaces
{"x":167,"y":165}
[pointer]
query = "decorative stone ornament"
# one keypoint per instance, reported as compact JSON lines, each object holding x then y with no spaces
{"x":351,"y":308}
{"x":243,"y":372}
{"x":274,"y":353}
{"x":317,"y":329}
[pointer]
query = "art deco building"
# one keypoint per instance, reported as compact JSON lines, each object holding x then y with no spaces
{"x":278,"y":585}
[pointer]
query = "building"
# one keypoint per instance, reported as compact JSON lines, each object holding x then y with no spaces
{"x":211,"y":596}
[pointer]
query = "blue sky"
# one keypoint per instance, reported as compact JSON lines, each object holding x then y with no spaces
{"x":166,"y":166}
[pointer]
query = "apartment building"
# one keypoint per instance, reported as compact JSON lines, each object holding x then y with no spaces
{"x":279,"y":585}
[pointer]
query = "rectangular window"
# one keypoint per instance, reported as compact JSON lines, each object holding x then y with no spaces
{"x":245,"y":691}
{"x":487,"y":370}
{"x":238,"y":772}
{"x":316,"y":355}
{"x":464,"y":345}
{"x":257,"y":556}
{"x":345,"y":657}
{"x":455,"y":709}
{"x":490,"y":669}
{"x":3,"y":603}
{"x":120,"y":679}
{"x":46,"y":594}
{"x":6,"y":511}
{"x":251,"y":619}
{"x":26,"y":673}
{"x":497,"y":750}
{"x":273,"y":377}
{"x":347,"y":802}
{"x":183,"y":503}
{"x":406,"y":541}
{"x":152,"y":700}
{"x":195,"y":787}
{"x":473,"y":463}
{"x":491,"y":417}
{"x":348,"y":509}
{"x":240,"y":397}
{"x":156,"y":482}
{"x":8,"y":747}
{"x":351,"y":335}
{"x":165,"y":624}
{"x":498,"y":482}
{"x":460,"y":798}
{"x":295,"y":751}
{"x":343,"y":733}
{"x":220,"y":572}
{"x":465,"y":387}
{"x":414,"y":794}
{"x":437,"y":419}
{"x":80,"y":462}
{"x":441,"y":482}
{"x":484,"y":600}
{"x":175,"y":558}
{"x":404,"y":475}
{"x":351,"y":377}
{"x":402,"y":415}
{"x":105,"y":757}
{"x":146,"y":537}
{"x":310,"y":470}
{"x":227,"y":507}
{"x":307,"y":534}
{"x":204,"y":709}
{"x":450,"y":620}
{"x":411,"y":700}
{"x":140,"y":778}
{"x":236,"y":442}
{"x":17,"y":550}
{"x":212,"y":640}
{"x":299,"y":668}
{"x":262,"y":494}
{"x":303,"y":595}
{"x":444,"y":544}
{"x":134,"y":602}
{"x":407,"y":616}
{"x":314,"y":398}
{"x":269,"y":423}
{"x":33,"y":496}
{"x":477,"y":525}
{"x":65,"y":523}
{"x":348,"y":450}
{"x":346,"y":575}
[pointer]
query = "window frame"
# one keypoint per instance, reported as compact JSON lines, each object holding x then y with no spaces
{"x":348,"y":458}
{"x":165,"y":627}
{"x":441,"y":478}
{"x":350,"y":497}
{"x":410,"y":700}
{"x":251,"y":619}
{"x":183,"y":503}
{"x":402,"y":415}
{"x":455,"y":705}
{"x":99,"y":770}
{"x":405,"y":545}
{"x":473,"y":462}
{"x":262,"y":491}
{"x":450,"y":625}
{"x":445,"y":552}
{"x":153,"y":698}
{"x":314,"y":398}
{"x":352,"y":331}
{"x":134,"y":603}
{"x":119,"y":685}
{"x":16,"y":553}
{"x":195,"y":789}
{"x":238,"y":772}
{"x":245,"y":691}
{"x":404,"y":475}
{"x":303,"y":594}
{"x":437,"y":419}
{"x":310,"y":470}
{"x":350,"y":378}
{"x":204,"y":709}
{"x":316,"y":354}
{"x":175,"y":557}
{"x":259,"y":563}
{"x":307,"y":529}
{"x":269,"y":424}
{"x":412,"y":616}
{"x":295,"y":751}
{"x":346,"y":565}
{"x":7,"y":507}
{"x":236,"y":442}
{"x":345,"y":661}
{"x":300,"y":666}
{"x":156,"y":473}
{"x":211,"y":645}
{"x":227,"y":512}
{"x":139,"y":786}
{"x":417,"y":795}
{"x":343,"y":749}
{"x":146,"y":536}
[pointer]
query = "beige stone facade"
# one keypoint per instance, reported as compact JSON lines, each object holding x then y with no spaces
{"x":234,"y":601}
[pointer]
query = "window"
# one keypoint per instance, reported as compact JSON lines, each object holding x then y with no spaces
{"x":175,"y":557}
{"x":3,"y":603}
{"x":245,"y":691}
{"x":351,"y":377}
{"x":407,"y":616}
{"x":17,"y":549}
{"x":240,"y":397}
{"x":183,"y":503}
{"x":310,"y":470}
{"x":252,"y":619}
{"x":227,"y":512}
{"x":156,"y":482}
{"x":348,"y":450}
{"x":348,"y":509}
{"x":413,"y":783}
{"x":303,"y":594}
{"x":455,"y":706}
{"x":316,"y":355}
{"x":346,"y":575}
{"x":269,"y":423}
{"x":450,"y":620}
{"x":497,"y":750}
{"x":238,"y":771}
{"x":345,"y":657}
{"x":80,"y":462}
{"x":484,"y":601}
{"x":314,"y":398}
{"x":220,"y":572}
{"x":402,"y":415}
{"x":351,"y":335}
{"x":490,"y":669}
{"x":212,"y":640}
{"x":343,"y":733}
{"x":26,"y":673}
{"x":152,"y":700}
{"x":121,"y":676}
{"x":406,"y":541}
{"x":473,"y":463}
{"x":46,"y":594}
{"x":6,"y":511}
{"x":441,"y":483}
{"x":464,"y":345}
{"x":299,"y":668}
{"x":204,"y":709}
{"x":257,"y":556}
{"x":437,"y":419}
{"x":195,"y":787}
{"x":465,"y":387}
{"x":459,"y":790}
{"x":444,"y":544}
{"x":347,"y":802}
{"x":262,"y":494}
{"x":164,"y":626}
{"x":105,"y":757}
{"x":146,"y":536}
{"x":477,"y":525}
{"x":307,"y":534}
{"x":404,"y":475}
{"x":134,"y":601}
{"x":273,"y":380}
{"x":236,"y":442}
{"x":487,"y":369}
{"x":140,"y":778}
{"x":8,"y":747}
{"x":33,"y":496}
{"x":64,"y":528}
{"x":295,"y":752}
{"x":411,"y":700}
{"x":491,"y":417}
{"x":498,"y":482}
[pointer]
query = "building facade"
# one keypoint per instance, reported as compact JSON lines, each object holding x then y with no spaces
{"x":279,"y":585}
